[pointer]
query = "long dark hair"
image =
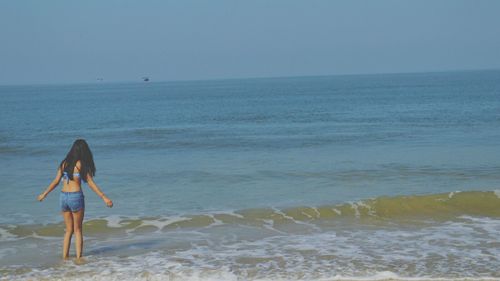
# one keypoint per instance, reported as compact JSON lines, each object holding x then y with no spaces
{"x":79,"y":151}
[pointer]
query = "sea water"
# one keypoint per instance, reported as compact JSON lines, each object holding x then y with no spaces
{"x":301,"y":178}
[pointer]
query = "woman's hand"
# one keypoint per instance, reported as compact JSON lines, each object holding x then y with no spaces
{"x":42,"y":196}
{"x":108,"y":201}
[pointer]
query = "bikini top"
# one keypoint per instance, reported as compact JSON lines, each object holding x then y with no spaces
{"x":66,"y":177}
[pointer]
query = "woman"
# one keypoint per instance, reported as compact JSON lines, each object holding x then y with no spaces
{"x":77,"y":166}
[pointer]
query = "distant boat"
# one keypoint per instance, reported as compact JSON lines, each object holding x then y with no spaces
{"x":100,"y":79}
{"x":145,"y":79}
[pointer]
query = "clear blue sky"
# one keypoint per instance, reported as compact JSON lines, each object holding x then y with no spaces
{"x":78,"y":41}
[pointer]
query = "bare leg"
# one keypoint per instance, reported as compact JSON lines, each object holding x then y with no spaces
{"x":68,"y":221}
{"x":77,"y":225}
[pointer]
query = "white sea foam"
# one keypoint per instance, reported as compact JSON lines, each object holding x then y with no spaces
{"x":216,"y":222}
{"x":337,"y":211}
{"x":440,"y":251}
{"x":354,"y":206}
{"x":269,"y":224}
{"x":318,"y":214}
{"x":161,"y":223}
{"x":309,"y":225}
{"x":234,"y":214}
{"x":46,"y":238}
{"x":307,"y":215}
{"x":497,"y":193}
{"x":114,"y":221}
{"x":370,"y":212}
{"x":5,"y":235}
{"x":451,"y":194}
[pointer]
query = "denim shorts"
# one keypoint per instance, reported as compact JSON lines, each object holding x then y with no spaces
{"x":72,"y":201}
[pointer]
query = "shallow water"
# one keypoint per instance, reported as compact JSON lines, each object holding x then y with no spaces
{"x":307,"y":178}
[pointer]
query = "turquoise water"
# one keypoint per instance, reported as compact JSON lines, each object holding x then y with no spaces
{"x":167,"y":151}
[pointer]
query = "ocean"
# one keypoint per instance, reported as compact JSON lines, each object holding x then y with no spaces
{"x":351,"y":177}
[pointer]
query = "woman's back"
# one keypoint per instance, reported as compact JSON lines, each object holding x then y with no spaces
{"x":75,"y":184}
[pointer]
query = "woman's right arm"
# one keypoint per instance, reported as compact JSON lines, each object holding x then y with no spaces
{"x":52,"y":185}
{"x":97,"y":190}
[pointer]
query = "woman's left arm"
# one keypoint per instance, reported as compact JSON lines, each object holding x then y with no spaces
{"x":97,"y":190}
{"x":52,"y":185}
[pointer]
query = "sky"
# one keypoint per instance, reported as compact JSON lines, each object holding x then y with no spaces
{"x":70,"y":41}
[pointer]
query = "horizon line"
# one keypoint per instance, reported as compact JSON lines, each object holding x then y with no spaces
{"x":242,"y":78}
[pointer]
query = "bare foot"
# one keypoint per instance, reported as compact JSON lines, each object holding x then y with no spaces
{"x":80,"y":261}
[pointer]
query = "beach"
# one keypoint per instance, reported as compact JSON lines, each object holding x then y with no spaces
{"x":348,"y":177}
